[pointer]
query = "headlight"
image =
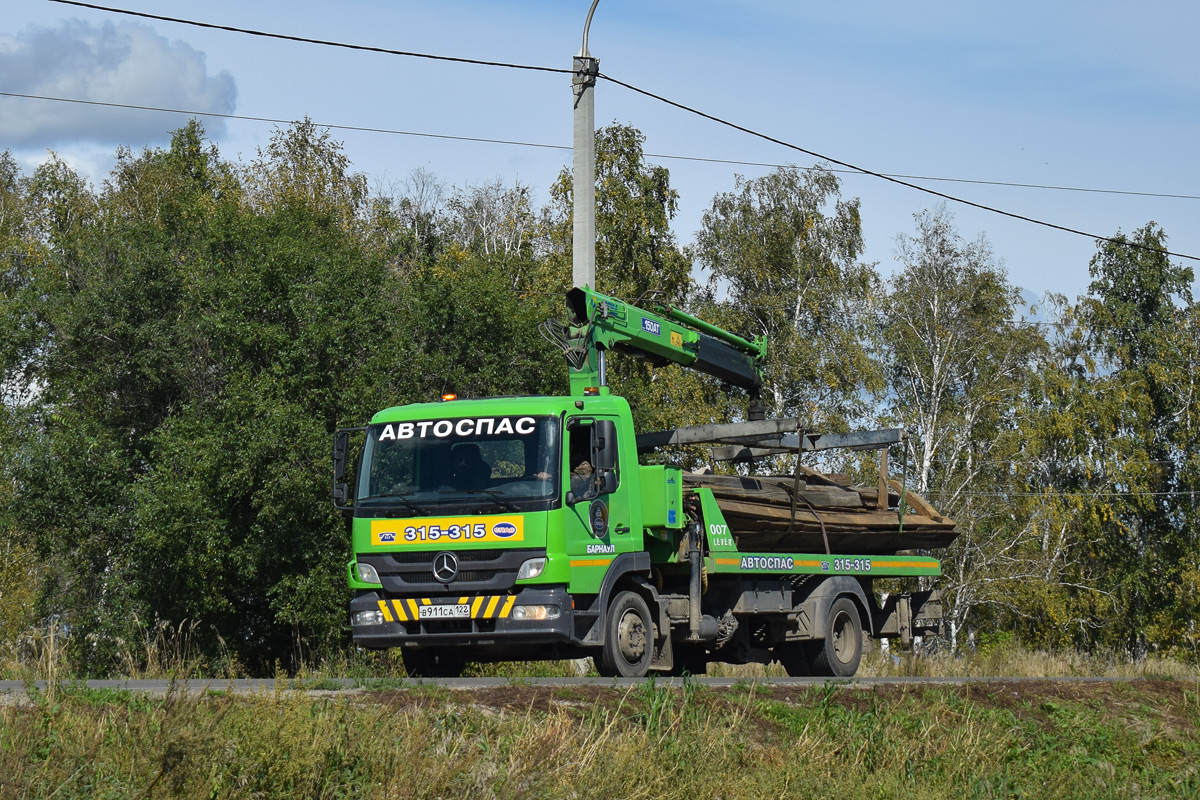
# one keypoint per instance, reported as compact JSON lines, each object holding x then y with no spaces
{"x":536,"y":612}
{"x":531,"y":568}
{"x":366,"y":617}
{"x":367,"y":573}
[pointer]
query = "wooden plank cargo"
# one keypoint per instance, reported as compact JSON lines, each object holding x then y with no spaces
{"x":816,"y":513}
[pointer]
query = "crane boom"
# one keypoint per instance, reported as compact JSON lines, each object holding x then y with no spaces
{"x":598,"y":323}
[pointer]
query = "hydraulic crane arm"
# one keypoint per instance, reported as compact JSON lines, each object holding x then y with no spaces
{"x":598,"y":323}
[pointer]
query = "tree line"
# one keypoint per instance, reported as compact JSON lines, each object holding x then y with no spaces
{"x":178,"y":344}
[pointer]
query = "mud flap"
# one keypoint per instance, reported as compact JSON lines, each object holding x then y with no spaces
{"x":664,"y":652}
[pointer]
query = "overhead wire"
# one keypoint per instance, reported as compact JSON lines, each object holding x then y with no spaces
{"x":308,"y":40}
{"x":563,"y":147}
{"x":848,"y":168}
{"x":1056,"y":493}
{"x":660,"y":98}
{"x":282,"y":121}
{"x":883,"y":176}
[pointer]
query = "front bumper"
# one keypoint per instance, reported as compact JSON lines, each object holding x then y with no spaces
{"x":490,"y":619}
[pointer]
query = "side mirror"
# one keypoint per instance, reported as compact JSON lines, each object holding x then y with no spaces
{"x":604,"y":444}
{"x":341,"y":443}
{"x":341,"y":448}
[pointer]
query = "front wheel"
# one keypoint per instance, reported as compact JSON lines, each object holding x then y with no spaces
{"x":628,"y":638}
{"x":839,"y":653}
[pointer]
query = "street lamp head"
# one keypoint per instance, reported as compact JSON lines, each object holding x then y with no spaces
{"x":583,"y":51}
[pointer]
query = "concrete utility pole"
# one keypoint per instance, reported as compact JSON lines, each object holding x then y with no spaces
{"x":583,"y":84}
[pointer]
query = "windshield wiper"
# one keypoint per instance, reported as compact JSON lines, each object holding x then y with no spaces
{"x":493,"y":495}
{"x":399,"y":496}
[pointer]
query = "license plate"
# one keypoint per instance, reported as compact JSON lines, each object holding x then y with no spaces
{"x":452,"y":611}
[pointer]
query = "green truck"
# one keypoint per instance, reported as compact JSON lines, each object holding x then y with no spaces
{"x":526,"y":528}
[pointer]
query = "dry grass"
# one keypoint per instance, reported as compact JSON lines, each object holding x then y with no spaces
{"x":1021,"y":662}
{"x":1127,"y":740}
{"x":1012,"y":661}
{"x":167,"y":650}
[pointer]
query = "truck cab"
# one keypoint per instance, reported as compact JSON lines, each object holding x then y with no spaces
{"x":482,"y":528}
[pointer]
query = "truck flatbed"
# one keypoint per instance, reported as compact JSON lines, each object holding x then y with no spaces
{"x":816,"y":513}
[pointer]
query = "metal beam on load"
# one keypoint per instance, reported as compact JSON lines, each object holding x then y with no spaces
{"x":790,"y":443}
{"x":727,"y":433}
{"x":767,"y":437}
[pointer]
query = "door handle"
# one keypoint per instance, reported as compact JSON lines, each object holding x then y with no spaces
{"x":622,"y":529}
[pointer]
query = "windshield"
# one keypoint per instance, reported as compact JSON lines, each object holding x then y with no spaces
{"x":473,"y":464}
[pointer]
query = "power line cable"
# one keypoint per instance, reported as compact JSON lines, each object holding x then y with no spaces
{"x":307,"y":40}
{"x":749,"y":131}
{"x":972,"y":181}
{"x":1054,"y":493}
{"x":281,"y":121}
{"x":563,"y":147}
{"x":889,"y":178}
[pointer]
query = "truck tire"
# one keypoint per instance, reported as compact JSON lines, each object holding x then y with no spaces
{"x":432,"y":662}
{"x":840,"y":652}
{"x":628,"y":638}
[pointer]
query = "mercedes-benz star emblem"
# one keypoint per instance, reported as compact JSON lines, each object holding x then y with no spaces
{"x":445,"y":567}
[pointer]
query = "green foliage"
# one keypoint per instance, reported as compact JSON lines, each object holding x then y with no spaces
{"x":783,"y":250}
{"x":178,"y":344}
{"x":196,"y":332}
{"x":957,"y":367}
{"x":636,"y":250}
{"x":472,"y":333}
{"x":18,"y":583}
{"x":1108,"y":464}
{"x":1141,"y":323}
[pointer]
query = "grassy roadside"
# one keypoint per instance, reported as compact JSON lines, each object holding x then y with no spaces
{"x":1137,"y":739}
{"x":165,"y":651}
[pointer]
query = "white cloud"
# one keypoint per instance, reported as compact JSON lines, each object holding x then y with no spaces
{"x":125,"y":63}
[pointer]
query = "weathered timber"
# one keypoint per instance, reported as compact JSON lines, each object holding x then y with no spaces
{"x":917,"y":502}
{"x":731,"y":432}
{"x":765,"y":445}
{"x":777,"y":490}
{"x":768,"y":435}
{"x":841,"y":542}
{"x":867,"y":519}
{"x":762,"y":516}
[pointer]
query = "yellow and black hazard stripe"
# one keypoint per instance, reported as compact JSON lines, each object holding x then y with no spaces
{"x":482,"y":607}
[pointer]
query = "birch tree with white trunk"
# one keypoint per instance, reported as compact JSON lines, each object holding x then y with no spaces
{"x":957,"y":366}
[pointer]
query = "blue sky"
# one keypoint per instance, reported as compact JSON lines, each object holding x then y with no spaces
{"x":1087,"y":94}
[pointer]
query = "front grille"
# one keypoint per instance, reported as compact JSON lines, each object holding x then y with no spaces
{"x":478,"y":571}
{"x":477,"y":575}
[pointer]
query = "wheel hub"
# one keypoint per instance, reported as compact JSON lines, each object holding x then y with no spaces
{"x":842,"y":646}
{"x":631,"y":637}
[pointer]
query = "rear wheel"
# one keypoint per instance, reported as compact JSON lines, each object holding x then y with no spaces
{"x":433,"y":662}
{"x":839,"y":654}
{"x":628,"y":638}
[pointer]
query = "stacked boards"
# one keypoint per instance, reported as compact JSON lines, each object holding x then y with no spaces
{"x":816,"y":513}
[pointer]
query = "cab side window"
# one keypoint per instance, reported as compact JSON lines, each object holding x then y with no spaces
{"x":579,"y":459}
